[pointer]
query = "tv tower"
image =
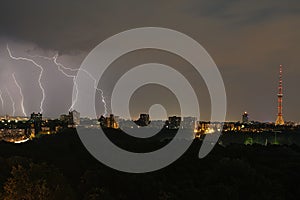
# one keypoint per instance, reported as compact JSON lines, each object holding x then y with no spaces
{"x":279,"y":120}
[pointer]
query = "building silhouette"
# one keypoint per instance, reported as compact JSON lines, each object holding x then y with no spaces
{"x":144,"y":120}
{"x":72,"y":119}
{"x":108,"y":122}
{"x":36,"y":122}
{"x":173,"y":122}
{"x":245,"y":118}
{"x":75,"y":117}
{"x":189,"y":122}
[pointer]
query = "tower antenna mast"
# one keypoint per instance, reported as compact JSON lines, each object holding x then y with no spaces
{"x":279,"y":120}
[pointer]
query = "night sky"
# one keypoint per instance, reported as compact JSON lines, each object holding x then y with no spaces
{"x":248,"y":40}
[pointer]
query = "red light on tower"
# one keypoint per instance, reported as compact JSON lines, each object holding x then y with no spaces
{"x":279,"y":120}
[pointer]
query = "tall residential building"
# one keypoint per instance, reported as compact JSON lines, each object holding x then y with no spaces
{"x":36,"y":122}
{"x":173,"y":122}
{"x":245,"y":118}
{"x":75,"y":117}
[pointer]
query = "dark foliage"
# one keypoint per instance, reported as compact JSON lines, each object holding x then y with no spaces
{"x":59,"y":167}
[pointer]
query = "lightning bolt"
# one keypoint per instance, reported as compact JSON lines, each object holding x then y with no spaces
{"x":74,"y":80}
{"x":63,"y":68}
{"x":21,"y":93}
{"x":60,"y":67}
{"x":40,"y":75}
{"x":2,"y":101}
{"x":12,"y":101}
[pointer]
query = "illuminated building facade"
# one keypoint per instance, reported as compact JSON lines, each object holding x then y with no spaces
{"x":108,"y":122}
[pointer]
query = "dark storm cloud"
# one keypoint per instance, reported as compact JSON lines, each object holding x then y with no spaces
{"x":71,"y":24}
{"x":257,"y":10}
{"x":247,"y":39}
{"x":68,"y":24}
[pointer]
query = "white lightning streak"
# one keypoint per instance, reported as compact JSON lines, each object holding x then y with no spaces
{"x":21,"y":93}
{"x":12,"y":101}
{"x":2,"y":101}
{"x":90,"y":75}
{"x":98,"y":89}
{"x":40,"y":75}
{"x":61,"y":68}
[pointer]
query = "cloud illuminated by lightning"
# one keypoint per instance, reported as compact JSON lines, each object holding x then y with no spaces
{"x":2,"y":101}
{"x":12,"y":102}
{"x":21,"y":93}
{"x":40,"y":75}
{"x":61,"y":68}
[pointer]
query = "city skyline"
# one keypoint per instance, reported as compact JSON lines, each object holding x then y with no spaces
{"x":157,"y":117}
